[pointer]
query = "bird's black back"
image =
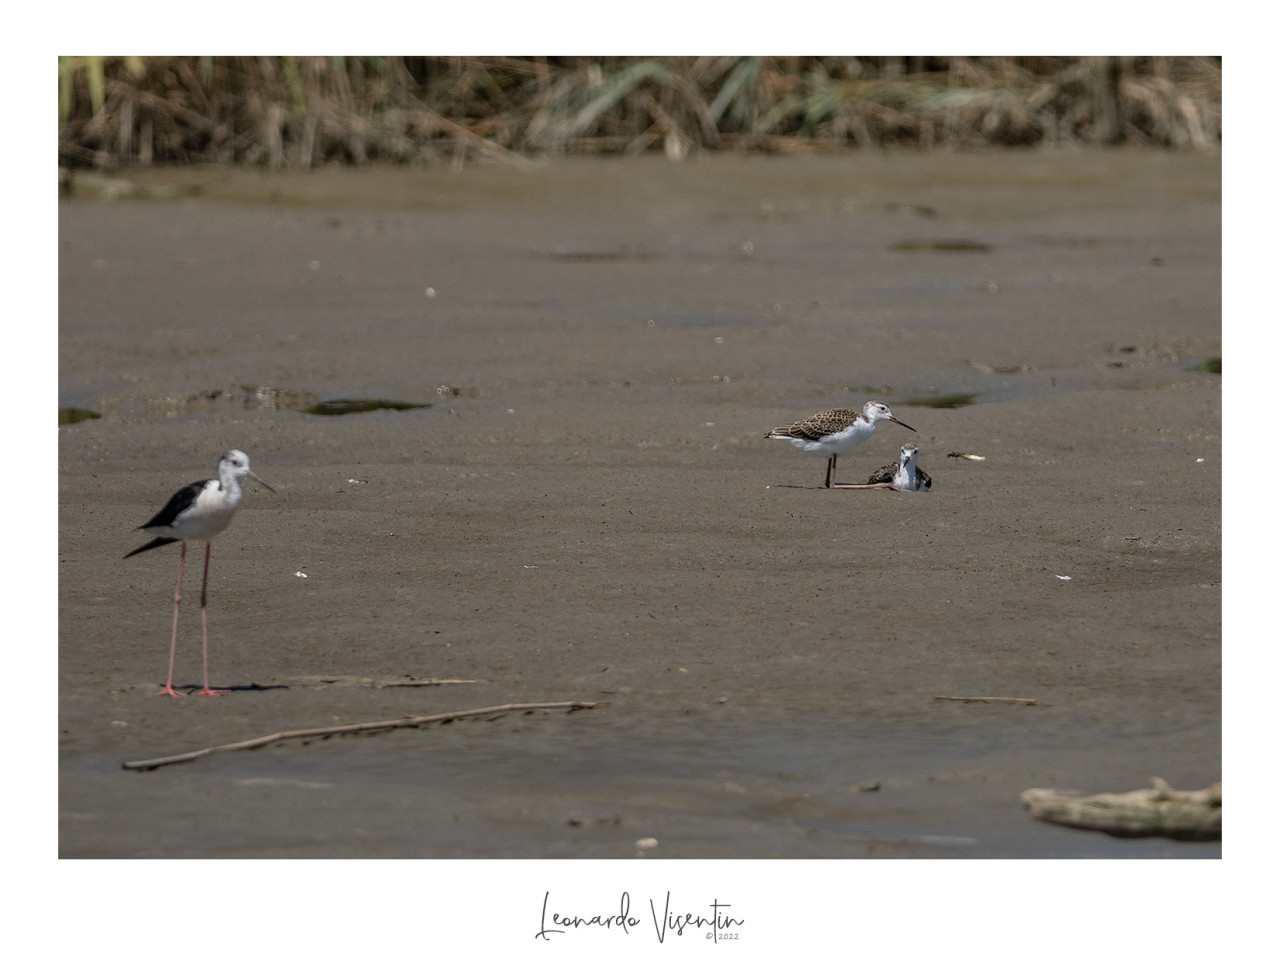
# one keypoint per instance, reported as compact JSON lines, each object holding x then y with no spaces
{"x":179,"y":501}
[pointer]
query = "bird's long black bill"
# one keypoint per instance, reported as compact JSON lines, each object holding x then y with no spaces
{"x":904,"y":424}
{"x":265,"y":486}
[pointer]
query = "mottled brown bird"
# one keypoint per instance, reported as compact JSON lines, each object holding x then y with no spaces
{"x":903,"y":474}
{"x":828,"y":433}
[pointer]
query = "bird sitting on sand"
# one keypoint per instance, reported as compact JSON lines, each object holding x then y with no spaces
{"x":199,"y":511}
{"x":903,"y":474}
{"x":829,"y":433}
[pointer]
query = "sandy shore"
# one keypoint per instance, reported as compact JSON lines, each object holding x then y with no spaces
{"x":587,"y":509}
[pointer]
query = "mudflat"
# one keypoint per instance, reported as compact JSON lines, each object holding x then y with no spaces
{"x":582,"y":506}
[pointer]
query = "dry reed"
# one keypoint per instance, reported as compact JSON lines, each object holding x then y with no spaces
{"x":305,"y":111}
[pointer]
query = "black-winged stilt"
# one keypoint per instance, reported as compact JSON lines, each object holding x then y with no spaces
{"x":904,"y":474}
{"x":199,"y":511}
{"x":828,"y":433}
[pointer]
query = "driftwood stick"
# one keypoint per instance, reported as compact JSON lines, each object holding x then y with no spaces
{"x":1194,"y":816}
{"x":989,"y":699}
{"x":346,"y":728}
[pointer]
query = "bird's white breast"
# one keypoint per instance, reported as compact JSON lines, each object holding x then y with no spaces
{"x":210,"y":514}
{"x":841,"y":440}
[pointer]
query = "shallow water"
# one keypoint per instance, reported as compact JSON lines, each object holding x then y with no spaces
{"x":593,"y":787}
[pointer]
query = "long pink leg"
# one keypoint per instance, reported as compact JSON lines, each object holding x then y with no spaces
{"x":832,"y":484}
{"x":173,"y":642}
{"x":204,"y":624}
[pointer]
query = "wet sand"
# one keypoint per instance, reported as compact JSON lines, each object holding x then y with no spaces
{"x":588,"y":511}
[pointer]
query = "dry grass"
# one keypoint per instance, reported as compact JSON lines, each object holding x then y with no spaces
{"x":303,"y":112}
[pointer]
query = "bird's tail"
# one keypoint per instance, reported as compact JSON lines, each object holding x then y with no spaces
{"x":157,"y":542}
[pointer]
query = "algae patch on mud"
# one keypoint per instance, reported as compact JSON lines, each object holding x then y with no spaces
{"x":360,"y":405}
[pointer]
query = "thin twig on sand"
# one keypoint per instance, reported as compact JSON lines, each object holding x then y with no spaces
{"x":989,"y":699}
{"x":346,"y":728}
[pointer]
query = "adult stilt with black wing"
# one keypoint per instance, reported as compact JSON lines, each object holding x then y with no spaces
{"x":199,"y":511}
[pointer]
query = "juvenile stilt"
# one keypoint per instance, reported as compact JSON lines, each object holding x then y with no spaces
{"x":828,"y":433}
{"x":904,"y":474}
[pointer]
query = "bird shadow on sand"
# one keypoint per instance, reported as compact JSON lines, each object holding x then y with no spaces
{"x":193,"y":688}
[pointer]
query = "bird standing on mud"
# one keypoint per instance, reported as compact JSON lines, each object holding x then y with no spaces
{"x":199,"y":511}
{"x":829,"y":433}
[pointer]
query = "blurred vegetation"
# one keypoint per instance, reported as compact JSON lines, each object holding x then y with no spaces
{"x":304,"y":112}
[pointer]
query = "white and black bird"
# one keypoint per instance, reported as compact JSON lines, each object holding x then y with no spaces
{"x":904,"y":474}
{"x":199,"y":511}
{"x":830,"y":433}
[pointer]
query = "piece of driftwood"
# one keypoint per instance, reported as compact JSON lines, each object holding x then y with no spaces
{"x":1194,"y":816}
{"x":988,"y":699}
{"x":348,"y":728}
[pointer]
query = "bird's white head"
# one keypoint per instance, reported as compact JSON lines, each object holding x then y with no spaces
{"x":235,"y":465}
{"x":875,"y":411}
{"x":909,"y":454}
